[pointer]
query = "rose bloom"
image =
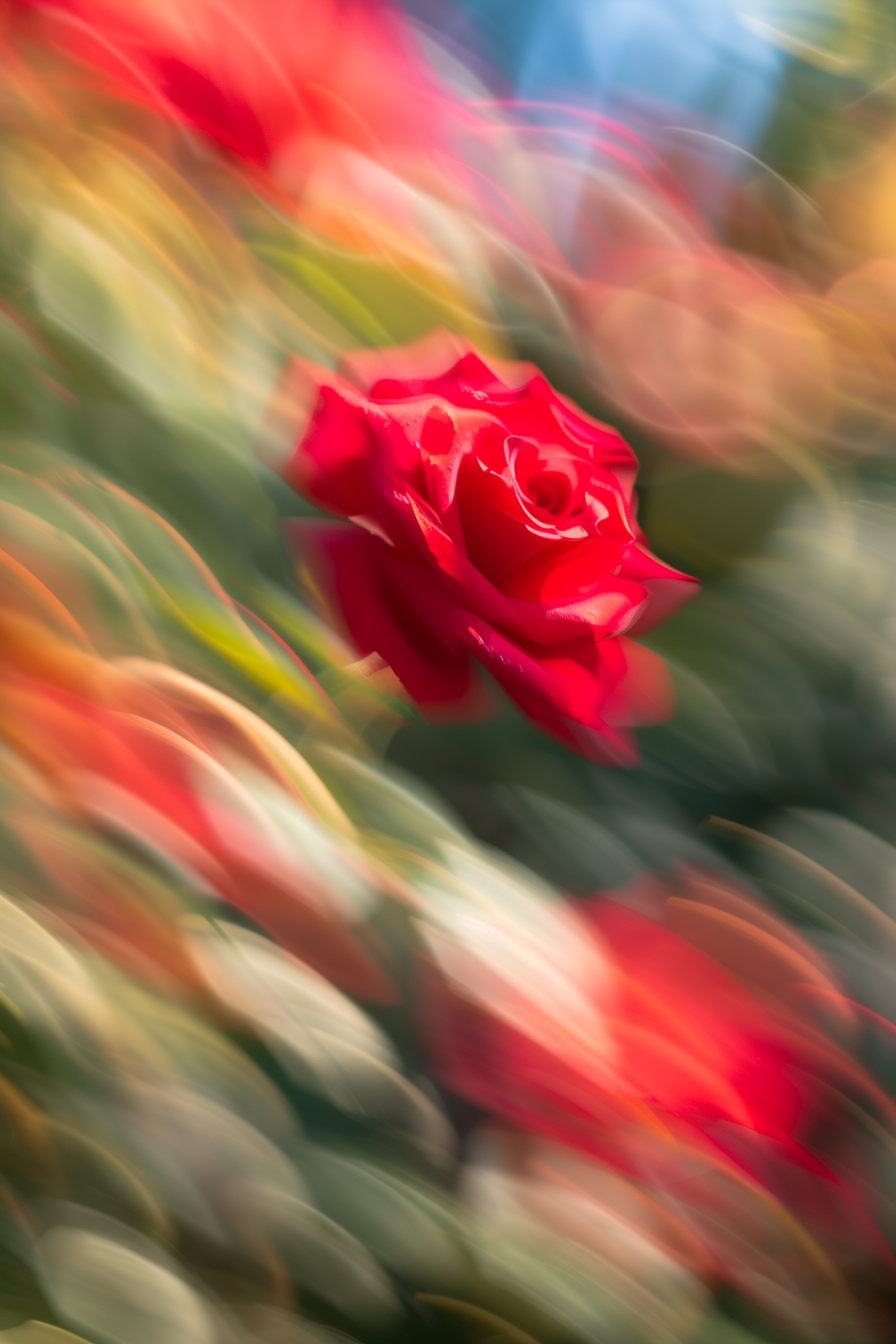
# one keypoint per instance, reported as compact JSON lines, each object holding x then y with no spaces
{"x":489,"y":517}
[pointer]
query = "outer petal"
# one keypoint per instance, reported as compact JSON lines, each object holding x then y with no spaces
{"x":382,"y":596}
{"x":572,"y":572}
{"x":667,"y":588}
{"x":586,"y":694}
{"x":332,"y":463}
{"x":562,"y":688}
{"x":642,"y":692}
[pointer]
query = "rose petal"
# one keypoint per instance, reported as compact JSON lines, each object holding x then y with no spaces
{"x":667,"y":588}
{"x":561,"y":687}
{"x":381,"y":595}
{"x":643,"y":694}
{"x":606,"y":609}
{"x":332,"y":464}
{"x":571,"y":571}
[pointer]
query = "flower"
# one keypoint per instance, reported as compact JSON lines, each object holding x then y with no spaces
{"x":682,"y":1034}
{"x":254,"y":77}
{"x":489,"y":517}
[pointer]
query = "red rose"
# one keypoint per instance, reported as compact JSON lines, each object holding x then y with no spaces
{"x":494,"y":519}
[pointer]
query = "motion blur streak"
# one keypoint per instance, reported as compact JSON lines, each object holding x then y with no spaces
{"x":321,"y":1022}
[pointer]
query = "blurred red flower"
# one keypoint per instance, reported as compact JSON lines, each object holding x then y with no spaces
{"x":697,"y":1047}
{"x":256,"y":78}
{"x":496,"y":519}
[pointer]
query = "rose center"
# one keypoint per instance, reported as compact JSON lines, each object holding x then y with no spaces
{"x":550,"y":491}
